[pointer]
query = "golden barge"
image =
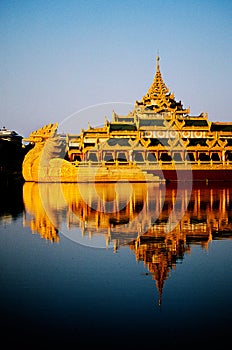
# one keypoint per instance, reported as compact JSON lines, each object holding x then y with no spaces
{"x":157,"y":141}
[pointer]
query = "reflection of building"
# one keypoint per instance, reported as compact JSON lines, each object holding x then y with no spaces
{"x":160,"y":224}
{"x":158,"y":139}
{"x":208,"y":216}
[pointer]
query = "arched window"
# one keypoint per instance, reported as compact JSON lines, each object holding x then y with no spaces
{"x":151,"y":157}
{"x":92,"y":157}
{"x":190,"y":157}
{"x":121,"y":157}
{"x":109,"y":157}
{"x":138,"y":157}
{"x":215,"y":157}
{"x":165,"y":157}
{"x":177,"y":157}
{"x":204,"y":157}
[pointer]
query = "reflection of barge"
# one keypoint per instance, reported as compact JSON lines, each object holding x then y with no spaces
{"x":138,"y":215}
{"x":157,"y":140}
{"x":138,"y":212}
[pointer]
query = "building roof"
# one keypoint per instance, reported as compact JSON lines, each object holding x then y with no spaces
{"x":195,"y":122}
{"x":125,"y":119}
{"x":122,"y":126}
{"x":151,"y":122}
{"x":158,"y":98}
{"x":118,"y":141}
{"x":219,"y":126}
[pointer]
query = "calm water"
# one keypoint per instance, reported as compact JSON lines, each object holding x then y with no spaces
{"x":121,"y":266}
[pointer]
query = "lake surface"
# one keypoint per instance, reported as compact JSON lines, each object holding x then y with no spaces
{"x":116,"y":265}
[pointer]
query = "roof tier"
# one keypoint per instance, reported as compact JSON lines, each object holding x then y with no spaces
{"x":158,"y":98}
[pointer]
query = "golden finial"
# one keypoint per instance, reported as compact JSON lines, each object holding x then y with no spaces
{"x":157,"y":62}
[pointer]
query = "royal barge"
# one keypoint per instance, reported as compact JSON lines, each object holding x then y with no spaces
{"x":157,"y":141}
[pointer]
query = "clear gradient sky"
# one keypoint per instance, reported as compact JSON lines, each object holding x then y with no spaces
{"x":58,"y":57}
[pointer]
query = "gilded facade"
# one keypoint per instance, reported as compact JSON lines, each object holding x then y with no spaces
{"x":157,"y":141}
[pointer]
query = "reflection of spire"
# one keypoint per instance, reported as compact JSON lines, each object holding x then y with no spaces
{"x":163,"y":262}
{"x":161,"y":275}
{"x":160,"y":253}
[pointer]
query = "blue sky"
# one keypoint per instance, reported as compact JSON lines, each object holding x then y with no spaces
{"x":59,"y":57}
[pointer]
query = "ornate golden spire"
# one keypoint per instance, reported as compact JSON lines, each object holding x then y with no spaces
{"x":158,"y":87}
{"x":158,"y":98}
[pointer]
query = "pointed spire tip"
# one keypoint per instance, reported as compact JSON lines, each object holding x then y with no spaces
{"x":157,"y":62}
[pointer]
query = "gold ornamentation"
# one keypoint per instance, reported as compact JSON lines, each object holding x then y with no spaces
{"x":44,"y":162}
{"x":158,"y":97}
